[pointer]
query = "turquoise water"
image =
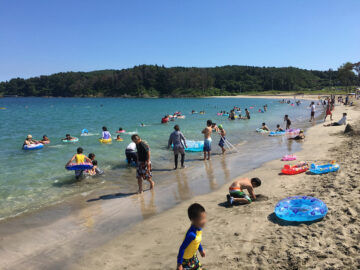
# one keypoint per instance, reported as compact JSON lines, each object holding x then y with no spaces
{"x":32,"y":179}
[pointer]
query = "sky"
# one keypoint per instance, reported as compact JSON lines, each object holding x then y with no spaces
{"x":41,"y":37}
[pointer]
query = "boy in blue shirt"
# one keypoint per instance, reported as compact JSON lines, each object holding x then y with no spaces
{"x":187,"y":258}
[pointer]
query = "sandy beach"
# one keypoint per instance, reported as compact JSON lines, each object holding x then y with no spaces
{"x":250,"y":236}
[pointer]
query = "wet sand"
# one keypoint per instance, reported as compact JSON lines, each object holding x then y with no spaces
{"x":250,"y":236}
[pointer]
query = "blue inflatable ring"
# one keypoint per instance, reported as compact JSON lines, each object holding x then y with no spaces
{"x":33,"y":146}
{"x":300,"y":209}
{"x":81,"y":166}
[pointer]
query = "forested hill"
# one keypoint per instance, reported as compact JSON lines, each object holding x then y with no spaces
{"x":150,"y":80}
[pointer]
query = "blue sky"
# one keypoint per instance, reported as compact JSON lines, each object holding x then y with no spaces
{"x":48,"y":36}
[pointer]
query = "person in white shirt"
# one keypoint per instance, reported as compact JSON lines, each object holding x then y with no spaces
{"x":341,"y":122}
{"x":312,"y":115}
{"x":130,"y":153}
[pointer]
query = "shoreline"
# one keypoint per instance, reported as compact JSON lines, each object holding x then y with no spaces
{"x":238,"y":236}
{"x":88,"y":216}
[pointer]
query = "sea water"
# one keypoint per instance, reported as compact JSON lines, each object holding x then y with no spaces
{"x":30,"y":180}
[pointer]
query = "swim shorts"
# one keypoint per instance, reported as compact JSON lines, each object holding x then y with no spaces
{"x":312,"y":113}
{"x":222,"y":142}
{"x":191,"y":264}
{"x":141,"y":171}
{"x":207,"y":145}
{"x":238,"y":194}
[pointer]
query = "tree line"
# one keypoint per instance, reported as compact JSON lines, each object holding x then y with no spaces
{"x":154,"y":80}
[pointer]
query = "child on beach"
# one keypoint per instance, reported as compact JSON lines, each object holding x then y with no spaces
{"x":79,"y":158}
{"x":222,"y":133}
{"x":187,"y":258}
{"x":236,"y":193}
{"x":301,"y":136}
{"x":328,"y":111}
{"x":207,"y":139}
{"x":288,"y":121}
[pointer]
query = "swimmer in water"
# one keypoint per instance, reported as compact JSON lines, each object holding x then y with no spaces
{"x":68,"y":138}
{"x":79,"y":158}
{"x":45,"y":140}
{"x":264,"y":127}
{"x":288,"y":121}
{"x":105,"y":134}
{"x":301,"y":136}
{"x":29,"y":140}
{"x":118,"y":138}
{"x":236,"y":190}
{"x":278,"y":128}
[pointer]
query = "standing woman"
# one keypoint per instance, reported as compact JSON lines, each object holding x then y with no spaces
{"x":178,"y":141}
{"x":328,"y":110}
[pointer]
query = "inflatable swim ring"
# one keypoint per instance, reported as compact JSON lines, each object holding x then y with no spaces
{"x":45,"y":142}
{"x":105,"y":140}
{"x":288,"y":158}
{"x":80,"y":166}
{"x":296,"y":169}
{"x":260,"y":130}
{"x":300,"y":209}
{"x":225,"y":114}
{"x":219,"y":114}
{"x":181,"y":117}
{"x":121,"y":131}
{"x":33,"y":146}
{"x":73,"y":140}
{"x":321,"y":169}
{"x":84,"y":131}
{"x":119,"y":140}
{"x":194,"y":146}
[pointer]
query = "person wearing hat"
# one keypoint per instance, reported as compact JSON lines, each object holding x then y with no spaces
{"x":222,"y":133}
{"x":29,"y":140}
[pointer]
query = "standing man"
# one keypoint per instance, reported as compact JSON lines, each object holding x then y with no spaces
{"x":178,"y":141}
{"x":312,"y":115}
{"x":143,"y":171}
{"x":207,"y":139}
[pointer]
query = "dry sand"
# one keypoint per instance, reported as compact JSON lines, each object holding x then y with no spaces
{"x":250,"y":236}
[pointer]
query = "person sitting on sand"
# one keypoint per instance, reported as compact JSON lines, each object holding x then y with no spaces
{"x":79,"y":158}
{"x":264,"y":127}
{"x":144,"y":171}
{"x":288,"y":121}
{"x":222,"y":133}
{"x":278,"y":128}
{"x":207,"y":139}
{"x":300,"y":136}
{"x":68,"y":138}
{"x":29,"y":140}
{"x":341,"y":122}
{"x":187,"y":258}
{"x":236,"y":190}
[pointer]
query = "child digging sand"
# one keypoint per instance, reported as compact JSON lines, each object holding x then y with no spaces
{"x":187,"y":258}
{"x":236,"y":190}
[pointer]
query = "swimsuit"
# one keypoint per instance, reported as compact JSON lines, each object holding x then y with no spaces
{"x":237,"y":193}
{"x":222,"y":142}
{"x":187,"y":252}
{"x":207,"y":145}
{"x":141,"y":171}
{"x":79,"y":158}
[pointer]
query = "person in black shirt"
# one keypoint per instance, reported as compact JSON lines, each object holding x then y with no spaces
{"x":143,"y":171}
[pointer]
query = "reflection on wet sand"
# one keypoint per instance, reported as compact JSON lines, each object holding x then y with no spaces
{"x":147,"y":209}
{"x":210,"y":174}
{"x":225,"y":169}
{"x":183,"y":190}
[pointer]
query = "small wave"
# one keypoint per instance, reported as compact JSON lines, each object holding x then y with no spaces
{"x":90,"y":134}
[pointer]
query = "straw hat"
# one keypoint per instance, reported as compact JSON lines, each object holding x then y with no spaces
{"x":29,"y":136}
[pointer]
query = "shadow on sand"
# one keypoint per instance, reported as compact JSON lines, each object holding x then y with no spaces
{"x":259,"y":198}
{"x":112,"y":196}
{"x":274,"y":219}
